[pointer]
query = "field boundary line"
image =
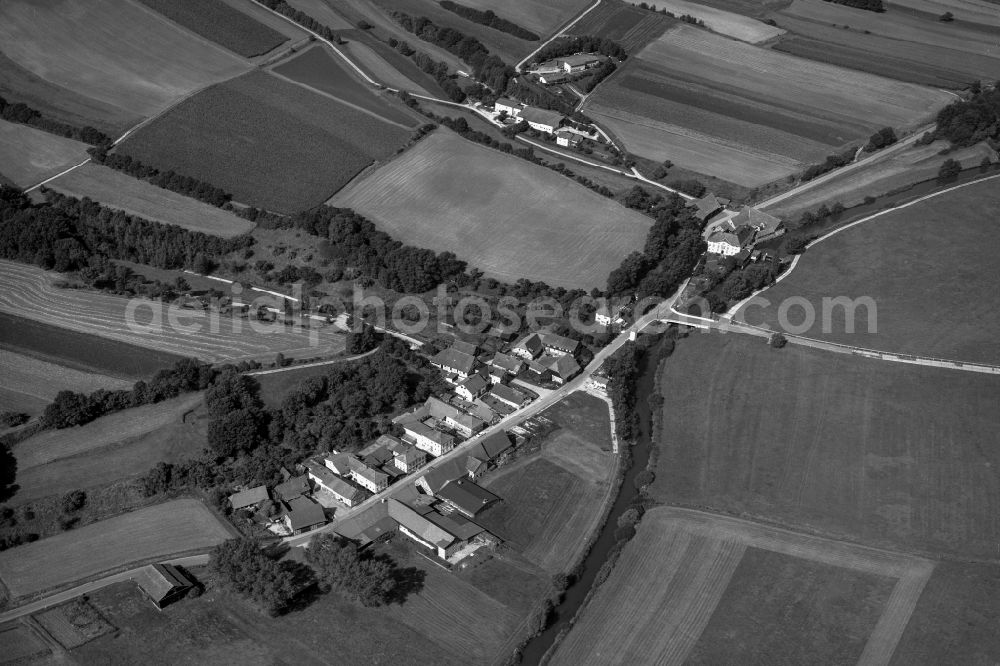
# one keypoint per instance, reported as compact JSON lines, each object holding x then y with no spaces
{"x":888,"y":631}
{"x":557,"y":35}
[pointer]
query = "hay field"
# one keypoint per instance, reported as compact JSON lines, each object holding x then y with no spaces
{"x":932,"y":297}
{"x":542,"y":17}
{"x":701,"y":563}
{"x":626,"y":24}
{"x":153,"y":532}
{"x":506,"y":216}
{"x":29,"y":155}
{"x":888,"y":454}
{"x":715,"y":99}
{"x":220,"y":23}
{"x":732,"y":25}
{"x":272,"y":143}
{"x":31,"y":293}
{"x":119,"y":53}
{"x":137,"y":197}
{"x":29,"y":381}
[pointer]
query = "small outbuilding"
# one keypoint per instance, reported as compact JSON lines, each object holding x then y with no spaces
{"x":162,"y":583}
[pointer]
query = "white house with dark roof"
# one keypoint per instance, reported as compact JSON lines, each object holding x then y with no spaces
{"x":429,"y":439}
{"x":528,"y":347}
{"x":472,"y":387}
{"x":580,"y":62}
{"x":542,"y":119}
{"x":559,"y":345}
{"x":729,"y":241}
{"x":509,"y":396}
{"x":567,"y":139}
{"x":511,"y":106}
{"x":455,"y":362}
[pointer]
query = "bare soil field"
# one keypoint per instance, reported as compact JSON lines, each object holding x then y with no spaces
{"x":726,"y":23}
{"x":120,"y":53}
{"x":29,"y":155}
{"x":219,"y":22}
{"x":157,"y":531}
{"x":541,"y":16}
{"x":38,"y":380}
{"x":927,"y":303}
{"x":531,"y":222}
{"x":137,"y":197}
{"x":272,"y":143}
{"x":728,"y":120}
{"x":708,"y":570}
{"x":31,"y":293}
{"x":888,"y":454}
{"x":626,"y":24}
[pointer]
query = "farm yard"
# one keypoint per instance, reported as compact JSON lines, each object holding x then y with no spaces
{"x":30,"y":384}
{"x":165,"y":529}
{"x":889,"y":454}
{"x":319,"y":69}
{"x":30,"y":155}
{"x":31,"y":293}
{"x":730,"y":121}
{"x":138,"y":197}
{"x":713,"y":570}
{"x":529,"y":222}
{"x":269,"y":142}
{"x":626,"y":24}
{"x":217,"y":21}
{"x":726,"y":23}
{"x":929,"y":303}
{"x":140,"y":70}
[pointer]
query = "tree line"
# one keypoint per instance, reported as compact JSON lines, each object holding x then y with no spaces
{"x":490,"y":20}
{"x":23,"y":114}
{"x":438,"y":70}
{"x":870,"y":5}
{"x":301,"y":18}
{"x":967,"y":122}
{"x":566,"y":46}
{"x":168,"y":180}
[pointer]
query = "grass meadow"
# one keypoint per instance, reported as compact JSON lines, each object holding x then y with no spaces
{"x":270,"y":142}
{"x":221,"y":23}
{"x":29,"y":155}
{"x":529,"y":222}
{"x":928,"y":269}
{"x":30,"y":383}
{"x":137,"y":197}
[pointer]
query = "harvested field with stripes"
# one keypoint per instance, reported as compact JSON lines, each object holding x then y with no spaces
{"x":708,"y":567}
{"x":531,"y":222}
{"x":151,"y":533}
{"x":30,"y":384}
{"x":728,"y":120}
{"x":29,"y":155}
{"x":137,"y":197}
{"x":726,"y":23}
{"x":31,"y":293}
{"x":626,"y":24}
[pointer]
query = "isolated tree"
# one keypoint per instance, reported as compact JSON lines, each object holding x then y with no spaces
{"x":777,"y":341}
{"x":947,"y":17}
{"x":949,"y":171}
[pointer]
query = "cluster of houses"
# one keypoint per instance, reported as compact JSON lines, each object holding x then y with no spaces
{"x":549,"y":122}
{"x":730,"y":234}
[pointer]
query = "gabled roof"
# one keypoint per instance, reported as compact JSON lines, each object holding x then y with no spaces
{"x":756,"y":219}
{"x":455,"y":524}
{"x":532,"y":342}
{"x":483,"y":411}
{"x":507,"y":393}
{"x":706,"y":206}
{"x":339,"y":463}
{"x":248,"y":497}
{"x":159,"y":580}
{"x":303,"y":512}
{"x":331,"y":481}
{"x":495,"y":444}
{"x":440,"y":409}
{"x":453,"y":468}
{"x":419,"y":525}
{"x":542,"y":116}
{"x":564,"y":366}
{"x":467,"y":495}
{"x":366,"y":472}
{"x":559,"y":342}
{"x":465,"y":347}
{"x":511,"y":364}
{"x":452,"y":358}
{"x":294,"y":487}
{"x":375,"y":454}
{"x":467,"y":421}
{"x":430,"y":433}
{"x":507,"y":101}
{"x":474,"y":384}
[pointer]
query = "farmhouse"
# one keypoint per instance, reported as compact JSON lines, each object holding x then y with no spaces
{"x":528,"y":347}
{"x":248,"y":498}
{"x":368,"y":478}
{"x":455,"y":362}
{"x":465,"y":424}
{"x":512,"y":107}
{"x":707,"y":207}
{"x":406,"y":457}
{"x":162,"y":583}
{"x":541,"y":371}
{"x":765,"y":226}
{"x":580,"y":62}
{"x":466,"y":497}
{"x":342,"y":490}
{"x":559,"y":345}
{"x":303,"y":515}
{"x":497,"y":375}
{"x":729,"y":242}
{"x":509,"y":364}
{"x":747,"y":229}
{"x":426,"y":532}
{"x":435,"y":479}
{"x":509,"y":396}
{"x":567,"y":139}
{"x":563,"y":368}
{"x":294,"y":487}
{"x":472,"y":388}
{"x":428,"y":439}
{"x":542,"y":120}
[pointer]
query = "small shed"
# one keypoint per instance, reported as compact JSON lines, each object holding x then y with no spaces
{"x":162,"y":583}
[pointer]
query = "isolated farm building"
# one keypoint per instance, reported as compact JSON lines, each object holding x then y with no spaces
{"x":303,"y":515}
{"x":729,"y":242}
{"x":542,"y":119}
{"x":435,"y":479}
{"x":343,"y":491}
{"x":567,"y":139}
{"x":466,"y":497}
{"x":509,"y":396}
{"x":162,"y":583}
{"x":528,"y":347}
{"x":455,"y":362}
{"x":248,"y":498}
{"x":559,"y":345}
{"x":429,"y":439}
{"x":564,"y":368}
{"x":512,"y":107}
{"x":472,"y":388}
{"x":580,"y":62}
{"x":295,"y":486}
{"x":509,"y":364}
{"x":707,"y":207}
{"x":764,"y":226}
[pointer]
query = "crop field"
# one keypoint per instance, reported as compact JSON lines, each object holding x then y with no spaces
{"x":153,"y":532}
{"x":727,"y":118}
{"x":732,"y":25}
{"x":219,"y":22}
{"x":884,"y":453}
{"x":137,"y":197}
{"x":722,"y":580}
{"x":118,"y":53}
{"x":375,"y":66}
{"x":322,"y":12}
{"x":927,"y":303}
{"x":898,"y":44}
{"x":981,"y":12}
{"x":531,"y":222}
{"x":320,"y":69}
{"x":628,"y":25}
{"x":31,"y":381}
{"x":29,"y":156}
{"x":540,"y":16}
{"x":552,"y":501}
{"x":904,"y":167}
{"x":31,"y":293}
{"x":272,"y":143}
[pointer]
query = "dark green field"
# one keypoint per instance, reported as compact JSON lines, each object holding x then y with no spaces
{"x":217,"y":21}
